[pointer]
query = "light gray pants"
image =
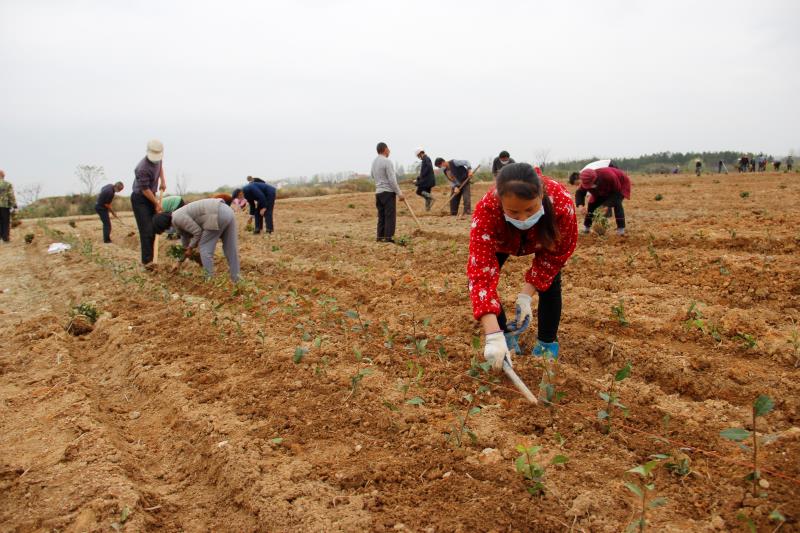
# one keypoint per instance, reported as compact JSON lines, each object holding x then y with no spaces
{"x":227,"y":232}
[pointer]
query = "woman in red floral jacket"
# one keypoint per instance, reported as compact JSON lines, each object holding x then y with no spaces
{"x":525,"y":214}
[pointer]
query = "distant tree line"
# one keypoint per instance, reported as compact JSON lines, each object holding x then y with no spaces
{"x":661,"y":162}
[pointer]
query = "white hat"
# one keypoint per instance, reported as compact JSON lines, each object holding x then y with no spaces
{"x":418,"y":151}
{"x":155,"y":150}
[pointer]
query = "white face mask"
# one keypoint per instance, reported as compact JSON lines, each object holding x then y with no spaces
{"x":528,"y":223}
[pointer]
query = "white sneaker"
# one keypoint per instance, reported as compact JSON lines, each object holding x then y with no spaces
{"x":621,"y":232}
{"x":585,"y":230}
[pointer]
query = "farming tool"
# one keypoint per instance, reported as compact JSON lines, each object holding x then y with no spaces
{"x":466,"y":181}
{"x":408,"y":205}
{"x":518,"y":383}
{"x":455,"y":191}
{"x":155,"y":241}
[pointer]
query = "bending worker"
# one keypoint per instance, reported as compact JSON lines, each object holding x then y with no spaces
{"x":608,"y":187}
{"x":201,"y":224}
{"x":426,"y":180}
{"x":525,"y":214}
{"x":103,"y":207}
{"x":459,"y":172}
{"x":261,"y":197}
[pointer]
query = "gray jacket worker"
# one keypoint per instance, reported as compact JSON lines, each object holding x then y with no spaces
{"x":500,"y":161}
{"x":7,"y":202}
{"x":148,"y":173}
{"x":201,"y":224}
{"x":387,"y":191}
{"x":426,"y":179}
{"x":103,"y":207}
{"x":459,"y":172}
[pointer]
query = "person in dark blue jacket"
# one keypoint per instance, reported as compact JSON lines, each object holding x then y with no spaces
{"x":426,"y":179}
{"x":261,"y":197}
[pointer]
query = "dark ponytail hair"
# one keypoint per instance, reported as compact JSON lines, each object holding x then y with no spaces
{"x":523,"y":182}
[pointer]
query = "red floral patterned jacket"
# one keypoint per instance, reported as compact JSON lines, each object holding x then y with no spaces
{"x":491,"y":234}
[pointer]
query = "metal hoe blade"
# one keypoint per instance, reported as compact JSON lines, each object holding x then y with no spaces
{"x":518,"y":383}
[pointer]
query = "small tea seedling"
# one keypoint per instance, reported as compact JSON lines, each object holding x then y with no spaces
{"x":748,"y":341}
{"x":29,"y":238}
{"x":72,"y":224}
{"x":762,"y":406}
{"x":659,"y":197}
{"x":527,"y":465}
{"x":351,"y":206}
{"x":415,"y":373}
{"x":619,"y":312}
{"x":404,"y":240}
{"x":744,"y":194}
{"x":461,"y":426}
{"x":642,"y":489}
{"x":360,"y":373}
{"x":631,"y":258}
{"x":549,"y":395}
{"x":176,"y":251}
{"x":695,"y":320}
{"x":600,"y":223}
{"x":88,"y":310}
{"x":299,"y":353}
{"x":611,"y":399}
{"x":651,"y":249}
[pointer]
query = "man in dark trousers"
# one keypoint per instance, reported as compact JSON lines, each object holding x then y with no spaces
{"x":261,"y":197}
{"x":500,"y":161}
{"x":387,"y":191}
{"x":149,"y":178}
{"x":103,"y":207}
{"x":7,"y":202}
{"x":459,"y":172}
{"x":426,"y":180}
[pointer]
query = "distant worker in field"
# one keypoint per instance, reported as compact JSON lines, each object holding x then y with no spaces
{"x":776,"y":165}
{"x":500,"y":161}
{"x":459,"y":172}
{"x":261,"y":197}
{"x":524,"y":214}
{"x":149,"y":177}
{"x":238,"y":202}
{"x":172,"y":203}
{"x":608,"y":187}
{"x":387,"y":192}
{"x":789,"y":163}
{"x":744,"y":163}
{"x":200,"y":225}
{"x":103,"y":207}
{"x":426,"y":179}
{"x":720,"y":166}
{"x":168,"y":205}
{"x":698,"y":167}
{"x":7,"y":202}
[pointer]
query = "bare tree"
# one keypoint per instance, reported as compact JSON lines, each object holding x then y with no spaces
{"x":541,"y":157}
{"x":181,"y":184}
{"x":29,"y":194}
{"x":90,"y":176}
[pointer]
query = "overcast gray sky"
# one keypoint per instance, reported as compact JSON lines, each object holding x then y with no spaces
{"x":282,"y":89}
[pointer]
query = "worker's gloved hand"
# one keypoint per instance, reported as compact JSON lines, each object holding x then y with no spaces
{"x":512,"y":341}
{"x":523,"y":317}
{"x":549,"y":348}
{"x":496,"y":351}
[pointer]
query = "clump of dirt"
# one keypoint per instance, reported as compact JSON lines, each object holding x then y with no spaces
{"x":79,"y":325}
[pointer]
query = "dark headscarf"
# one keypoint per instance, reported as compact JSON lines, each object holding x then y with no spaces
{"x":162,"y":222}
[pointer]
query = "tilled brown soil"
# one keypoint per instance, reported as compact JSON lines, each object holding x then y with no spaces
{"x":184,"y":411}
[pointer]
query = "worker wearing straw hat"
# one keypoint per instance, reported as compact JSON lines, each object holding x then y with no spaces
{"x":149,"y":177}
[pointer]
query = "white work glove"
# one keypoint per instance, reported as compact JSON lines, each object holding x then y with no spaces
{"x":524,"y":315}
{"x":496,"y":350}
